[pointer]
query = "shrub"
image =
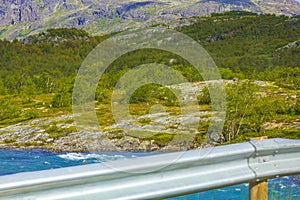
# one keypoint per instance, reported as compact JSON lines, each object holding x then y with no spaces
{"x":8,"y":110}
{"x":204,"y":97}
{"x":62,"y":99}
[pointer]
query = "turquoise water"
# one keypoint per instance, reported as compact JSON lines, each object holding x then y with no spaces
{"x":12,"y":162}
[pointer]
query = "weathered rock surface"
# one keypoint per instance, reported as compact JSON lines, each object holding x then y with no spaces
{"x":33,"y":135}
{"x":20,"y":18}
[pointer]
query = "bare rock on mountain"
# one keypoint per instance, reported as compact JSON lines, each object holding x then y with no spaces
{"x":20,"y":18}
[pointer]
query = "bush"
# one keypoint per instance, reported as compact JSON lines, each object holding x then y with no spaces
{"x":62,"y":99}
{"x":8,"y":110}
{"x":9,"y":140}
{"x":31,"y":114}
{"x":204,"y":97}
{"x":297,"y":106}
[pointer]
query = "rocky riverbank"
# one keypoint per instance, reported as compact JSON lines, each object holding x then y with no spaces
{"x":60,"y":135}
{"x":151,"y":132}
{"x":159,"y":130}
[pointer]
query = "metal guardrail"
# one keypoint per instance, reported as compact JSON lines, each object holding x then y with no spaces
{"x":160,"y":176}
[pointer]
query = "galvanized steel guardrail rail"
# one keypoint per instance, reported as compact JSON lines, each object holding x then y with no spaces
{"x":160,"y":176}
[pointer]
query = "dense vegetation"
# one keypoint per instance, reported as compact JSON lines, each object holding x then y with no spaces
{"x":40,"y":71}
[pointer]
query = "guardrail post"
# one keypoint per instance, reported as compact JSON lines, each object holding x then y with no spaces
{"x":258,"y":190}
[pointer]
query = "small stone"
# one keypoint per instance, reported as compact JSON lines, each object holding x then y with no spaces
{"x":50,"y":140}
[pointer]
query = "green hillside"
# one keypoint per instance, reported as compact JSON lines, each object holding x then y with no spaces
{"x":39,"y":71}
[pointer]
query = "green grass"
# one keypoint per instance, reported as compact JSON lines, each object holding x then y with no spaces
{"x":33,"y":107}
{"x":163,"y":139}
{"x":141,"y":134}
{"x":104,"y":115}
{"x":287,"y":134}
{"x":115,"y":133}
{"x":28,"y":144}
{"x":10,"y":140}
{"x":56,"y":132}
{"x":56,"y":135}
{"x":143,"y":121}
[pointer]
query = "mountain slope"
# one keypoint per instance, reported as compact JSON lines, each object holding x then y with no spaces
{"x":20,"y":18}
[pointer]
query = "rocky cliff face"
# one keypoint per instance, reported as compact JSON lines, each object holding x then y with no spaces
{"x":19,"y":18}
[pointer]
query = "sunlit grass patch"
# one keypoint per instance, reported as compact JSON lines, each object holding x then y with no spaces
{"x":143,"y":121}
{"x":104,"y":115}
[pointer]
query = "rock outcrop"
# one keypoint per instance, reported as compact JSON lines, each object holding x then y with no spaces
{"x":20,"y":18}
